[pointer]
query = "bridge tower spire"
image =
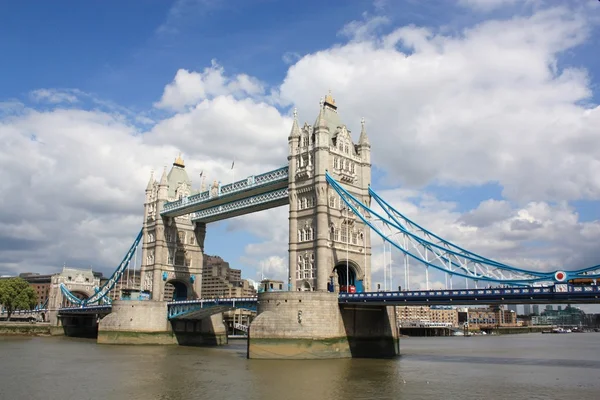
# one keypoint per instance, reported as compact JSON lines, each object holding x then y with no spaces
{"x":328,"y":246}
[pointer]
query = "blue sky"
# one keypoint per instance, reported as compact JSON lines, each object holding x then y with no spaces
{"x":117,"y":58}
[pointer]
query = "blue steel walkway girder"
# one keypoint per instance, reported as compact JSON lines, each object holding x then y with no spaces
{"x":243,"y":206}
{"x":526,"y":295}
{"x":243,"y":189}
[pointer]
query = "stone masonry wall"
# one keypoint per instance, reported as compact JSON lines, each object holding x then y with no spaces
{"x":136,"y":322}
{"x":311,"y":325}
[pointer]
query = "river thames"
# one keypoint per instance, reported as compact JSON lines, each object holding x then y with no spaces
{"x":531,"y":366}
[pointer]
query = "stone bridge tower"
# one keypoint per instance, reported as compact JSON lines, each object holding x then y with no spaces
{"x":329,"y":246}
{"x":82,"y":283}
{"x":172,"y":247}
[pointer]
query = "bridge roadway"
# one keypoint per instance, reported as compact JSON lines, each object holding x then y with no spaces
{"x":558,"y":294}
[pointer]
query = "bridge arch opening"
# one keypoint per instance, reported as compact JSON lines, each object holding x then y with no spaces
{"x":347,"y":274}
{"x":77,"y":293}
{"x":305,"y":286}
{"x":175,"y":290}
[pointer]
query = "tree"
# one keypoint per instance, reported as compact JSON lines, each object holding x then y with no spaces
{"x":16,"y":294}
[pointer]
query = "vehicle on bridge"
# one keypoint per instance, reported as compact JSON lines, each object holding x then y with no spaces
{"x":348,"y":289}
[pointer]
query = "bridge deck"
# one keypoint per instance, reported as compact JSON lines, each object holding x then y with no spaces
{"x":201,"y":308}
{"x":529,"y":295}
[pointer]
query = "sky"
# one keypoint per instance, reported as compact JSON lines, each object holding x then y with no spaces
{"x":482,"y":114}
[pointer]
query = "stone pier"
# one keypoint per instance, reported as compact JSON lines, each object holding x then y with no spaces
{"x":312,"y":325}
{"x":145,"y":322}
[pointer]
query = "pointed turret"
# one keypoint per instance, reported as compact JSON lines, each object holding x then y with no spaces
{"x":363,"y":148}
{"x":150,"y":182}
{"x":321,"y":121}
{"x":363,"y":140}
{"x":163,"y":187}
{"x":295,"y":128}
{"x":163,"y":178}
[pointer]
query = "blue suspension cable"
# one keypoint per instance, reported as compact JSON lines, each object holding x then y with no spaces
{"x":343,"y":193}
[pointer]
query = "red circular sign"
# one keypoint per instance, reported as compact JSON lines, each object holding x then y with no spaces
{"x":560,"y":276}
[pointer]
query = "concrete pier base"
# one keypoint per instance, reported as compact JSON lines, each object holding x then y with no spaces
{"x":145,"y":322}
{"x":311,"y":325}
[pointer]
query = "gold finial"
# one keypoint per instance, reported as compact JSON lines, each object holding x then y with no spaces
{"x":179,"y":161}
{"x":329,"y":99}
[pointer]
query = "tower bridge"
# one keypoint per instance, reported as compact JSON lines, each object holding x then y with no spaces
{"x":326,"y":186}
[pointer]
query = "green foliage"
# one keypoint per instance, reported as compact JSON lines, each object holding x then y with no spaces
{"x":16,"y":294}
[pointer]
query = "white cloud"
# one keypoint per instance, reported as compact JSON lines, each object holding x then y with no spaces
{"x":290,"y":57}
{"x":487,"y":104}
{"x":365,"y":29}
{"x":189,"y":88}
{"x":55,"y":96}
{"x":491,"y":5}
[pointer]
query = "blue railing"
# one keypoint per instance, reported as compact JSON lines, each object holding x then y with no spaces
{"x":104,"y":309}
{"x":556,"y":293}
{"x":180,"y":308}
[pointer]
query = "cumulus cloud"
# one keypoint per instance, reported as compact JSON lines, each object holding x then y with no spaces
{"x":491,"y":103}
{"x":487,"y":104}
{"x":192,"y":87}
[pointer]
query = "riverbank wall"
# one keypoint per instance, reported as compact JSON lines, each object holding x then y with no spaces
{"x":25,"y":329}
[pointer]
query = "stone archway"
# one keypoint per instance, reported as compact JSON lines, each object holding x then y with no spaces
{"x":175,"y":290}
{"x":305,"y":286}
{"x":348,"y":273}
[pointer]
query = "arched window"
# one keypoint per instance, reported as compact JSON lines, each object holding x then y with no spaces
{"x":310,"y":233}
{"x":332,"y":201}
{"x":345,"y":232}
{"x":331,"y":232}
{"x":336,"y":235}
{"x":304,"y":202}
{"x":346,"y":148}
{"x":352,"y":167}
{"x":299,"y":235}
{"x":335,"y":163}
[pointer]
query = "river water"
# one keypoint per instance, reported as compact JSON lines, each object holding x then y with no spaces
{"x":531,"y":366}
